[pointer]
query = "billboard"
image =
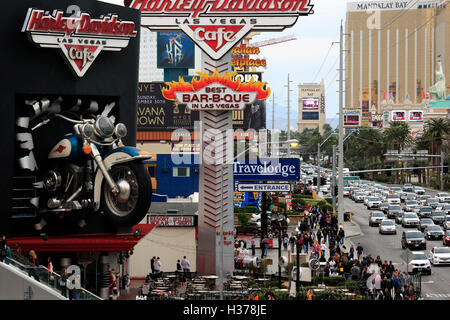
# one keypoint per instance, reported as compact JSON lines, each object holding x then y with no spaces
{"x":398,"y":115}
{"x":174,"y":50}
{"x":351,"y":120}
{"x":310,"y":115}
{"x":415,"y":115}
{"x":310,"y":103}
{"x":280,"y":169}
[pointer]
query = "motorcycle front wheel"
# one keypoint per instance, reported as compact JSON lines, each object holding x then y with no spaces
{"x":131,"y":211}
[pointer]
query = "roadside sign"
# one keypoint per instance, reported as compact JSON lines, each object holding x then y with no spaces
{"x":277,"y":169}
{"x":351,"y":178}
{"x":258,"y":187}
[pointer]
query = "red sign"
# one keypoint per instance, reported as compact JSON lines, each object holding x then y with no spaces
{"x":171,"y":221}
{"x":216,"y":26}
{"x":80,"y":39}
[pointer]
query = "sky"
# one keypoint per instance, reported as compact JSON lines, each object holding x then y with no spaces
{"x":304,"y":60}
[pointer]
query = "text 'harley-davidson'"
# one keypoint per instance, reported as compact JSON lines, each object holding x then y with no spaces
{"x":92,"y":169}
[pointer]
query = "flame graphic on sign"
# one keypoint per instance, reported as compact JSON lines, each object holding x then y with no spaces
{"x":226,"y":79}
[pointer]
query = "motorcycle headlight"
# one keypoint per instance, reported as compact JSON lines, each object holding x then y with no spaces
{"x":104,"y":127}
{"x":120,"y":130}
{"x":87,"y":130}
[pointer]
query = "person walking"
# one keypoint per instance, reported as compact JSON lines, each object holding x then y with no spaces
{"x":341,"y":234}
{"x":305,"y":242}
{"x":179,"y":269}
{"x":266,"y":246}
{"x":157,"y":264}
{"x":359,"y":251}
{"x":285,"y":242}
{"x":319,"y":235}
{"x":323,"y":248}
{"x":351,"y":252}
{"x":186,"y":265}
{"x":63,"y":283}
{"x":3,"y":250}
{"x":253,"y":244}
{"x":51,"y":278}
{"x":262,"y":245}
{"x":152,"y":264}
{"x":34,"y":261}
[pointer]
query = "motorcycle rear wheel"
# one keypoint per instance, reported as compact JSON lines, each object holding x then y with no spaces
{"x":132,"y":211}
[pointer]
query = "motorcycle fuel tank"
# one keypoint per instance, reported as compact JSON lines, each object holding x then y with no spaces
{"x":68,"y":148}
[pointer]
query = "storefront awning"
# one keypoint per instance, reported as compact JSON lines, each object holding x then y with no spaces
{"x":83,"y":242}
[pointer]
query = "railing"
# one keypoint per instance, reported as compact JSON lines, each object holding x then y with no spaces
{"x":49,"y":279}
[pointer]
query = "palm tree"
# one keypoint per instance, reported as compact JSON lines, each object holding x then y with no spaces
{"x":436,"y":130}
{"x":398,"y":136}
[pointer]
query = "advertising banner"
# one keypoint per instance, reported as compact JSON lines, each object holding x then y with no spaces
{"x":282,"y":169}
{"x":310,"y":115}
{"x":351,"y":120}
{"x":398,"y":115}
{"x":415,"y":115}
{"x":310,"y":103}
{"x":171,"y":221}
{"x":154,"y":112}
{"x":174,"y":50}
{"x":186,"y":148}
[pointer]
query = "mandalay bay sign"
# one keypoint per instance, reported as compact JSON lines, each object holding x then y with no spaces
{"x":216,"y":26}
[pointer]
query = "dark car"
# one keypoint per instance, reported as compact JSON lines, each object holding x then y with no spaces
{"x":393,"y":211}
{"x":425,"y":212}
{"x":438,"y":217}
{"x":425,"y":222}
{"x":413,"y":240}
{"x":399,"y":218}
{"x":446,"y":238}
{"x":384,"y":206}
{"x":434,"y":232}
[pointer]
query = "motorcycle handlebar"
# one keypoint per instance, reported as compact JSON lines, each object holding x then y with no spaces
{"x":68,"y":119}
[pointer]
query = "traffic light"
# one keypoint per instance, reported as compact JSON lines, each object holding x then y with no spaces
{"x":335,"y":190}
{"x":323,"y":181}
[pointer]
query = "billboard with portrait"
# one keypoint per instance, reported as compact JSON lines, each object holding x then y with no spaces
{"x":398,"y":115}
{"x":174,"y":50}
{"x":310,"y":103}
{"x":415,"y":115}
{"x":351,"y":120}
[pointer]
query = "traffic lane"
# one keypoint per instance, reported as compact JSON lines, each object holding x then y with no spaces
{"x":388,"y":247}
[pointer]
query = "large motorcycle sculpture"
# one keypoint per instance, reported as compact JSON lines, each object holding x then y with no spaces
{"x":92,"y":169}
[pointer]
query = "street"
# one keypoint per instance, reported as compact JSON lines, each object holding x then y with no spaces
{"x":388,"y":247}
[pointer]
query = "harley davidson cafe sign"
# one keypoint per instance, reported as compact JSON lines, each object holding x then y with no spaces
{"x":216,"y":26}
{"x":80,"y":39}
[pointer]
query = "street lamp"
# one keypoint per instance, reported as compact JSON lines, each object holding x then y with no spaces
{"x":278,"y":223}
{"x":319,"y":145}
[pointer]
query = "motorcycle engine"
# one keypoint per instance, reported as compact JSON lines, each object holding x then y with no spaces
{"x":52,"y":180}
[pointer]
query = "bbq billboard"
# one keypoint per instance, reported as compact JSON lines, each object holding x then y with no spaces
{"x":415,"y":116}
{"x":398,"y":115}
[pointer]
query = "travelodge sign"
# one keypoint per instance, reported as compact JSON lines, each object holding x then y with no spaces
{"x":216,"y":26}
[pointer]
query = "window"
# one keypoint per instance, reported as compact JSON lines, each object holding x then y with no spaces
{"x":181,"y":172}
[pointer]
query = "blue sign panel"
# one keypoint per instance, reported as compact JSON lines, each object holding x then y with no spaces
{"x":286,"y":169}
{"x":175,"y":50}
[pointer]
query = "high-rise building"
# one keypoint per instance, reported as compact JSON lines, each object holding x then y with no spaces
{"x":147,"y":58}
{"x":311,"y":106}
{"x":392,"y":47}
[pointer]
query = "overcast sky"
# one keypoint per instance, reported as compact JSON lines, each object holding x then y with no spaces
{"x":302,"y":59}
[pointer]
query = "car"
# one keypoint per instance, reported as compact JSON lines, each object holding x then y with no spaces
{"x":384,"y":206}
{"x":407,"y":187}
{"x":346,"y":191}
{"x":413,"y":240}
{"x":419,"y":263}
{"x":393,"y":210}
{"x":359,"y":197}
{"x":416,"y":209}
{"x":425,"y":212}
{"x":373,"y":202}
{"x":396,"y":189}
{"x":402,"y":196}
{"x":407,"y":206}
{"x":434,"y":232}
{"x":445,"y":208}
{"x":410,"y":196}
{"x":425,"y":222}
{"x":423,"y":199}
{"x":393,"y":199}
{"x":387,"y":227}
{"x":410,"y":220}
{"x":399,"y":218}
{"x":438,"y":217}
{"x":439,"y":255}
{"x":432,"y":202}
{"x":443,"y":197}
{"x":446,"y":238}
{"x":419,"y":190}
{"x":375,"y":218}
{"x":446,"y":224}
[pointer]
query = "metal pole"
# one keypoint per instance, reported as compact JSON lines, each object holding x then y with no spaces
{"x":279,"y":255}
{"x":273,"y":111}
{"x":264,"y":215}
{"x":442,"y":171}
{"x":341,"y":133}
{"x":318,"y":169}
{"x":289,"y":118}
{"x":333,"y":179}
{"x":297,"y":280}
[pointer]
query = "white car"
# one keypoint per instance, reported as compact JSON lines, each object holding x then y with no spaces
{"x":443,"y":197}
{"x":396,"y":189}
{"x":346,"y":191}
{"x":376,"y":217}
{"x":387,"y":226}
{"x":393,"y":199}
{"x":410,"y":220}
{"x":419,"y":190}
{"x":419,"y":263}
{"x":409,"y":204}
{"x":373,"y":202}
{"x":447,"y":222}
{"x":439,"y":255}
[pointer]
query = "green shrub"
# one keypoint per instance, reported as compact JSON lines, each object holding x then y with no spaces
{"x":245,"y":209}
{"x":243,"y":218}
{"x":305,"y":265}
{"x":302,"y":196}
{"x":328,"y":281}
{"x":352,"y":286}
